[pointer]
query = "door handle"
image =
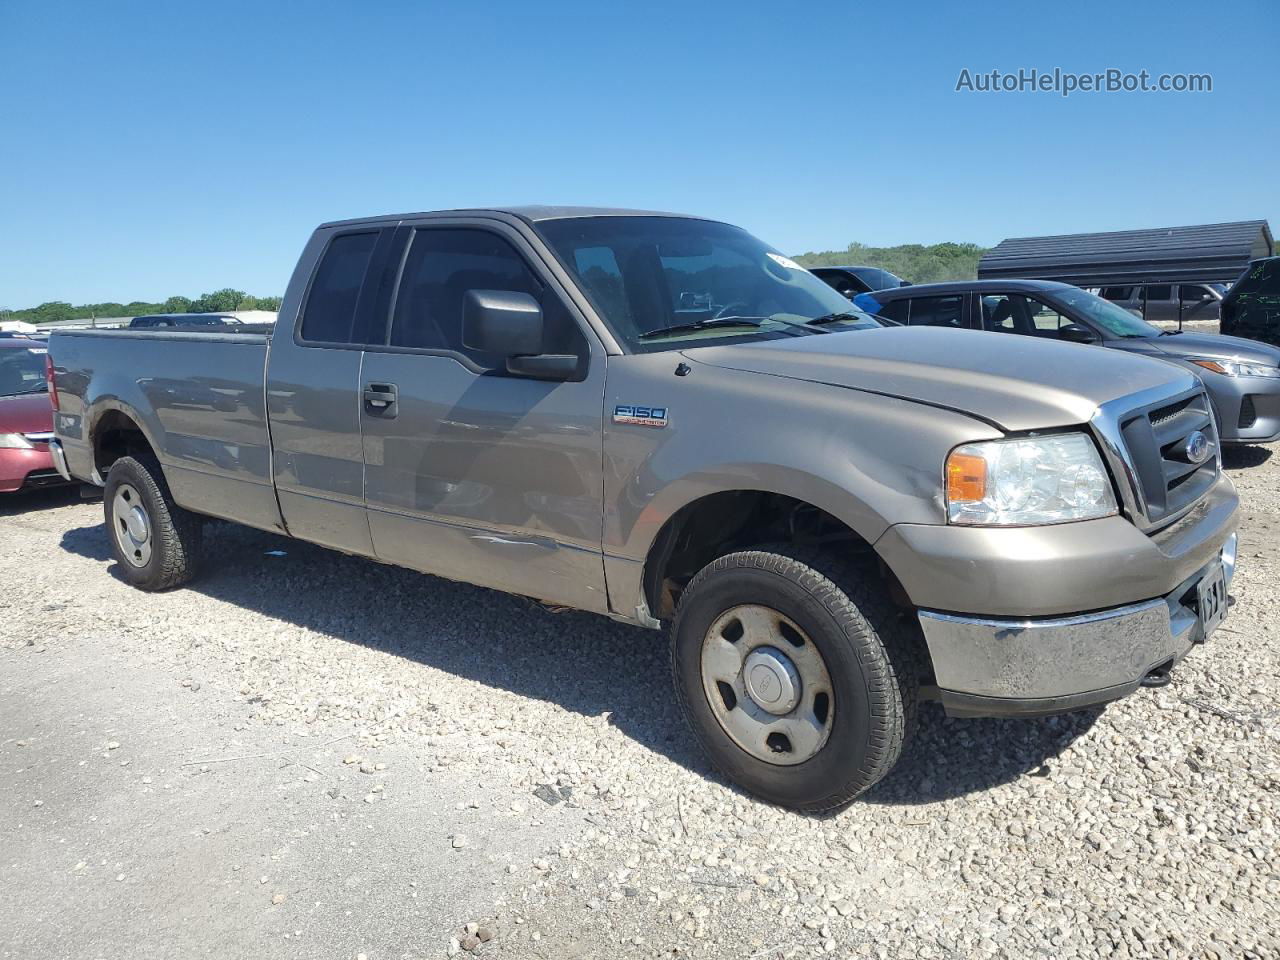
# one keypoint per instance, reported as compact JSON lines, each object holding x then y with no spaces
{"x":380,"y":399}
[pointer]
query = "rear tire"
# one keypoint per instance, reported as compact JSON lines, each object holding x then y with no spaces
{"x":156,"y":543}
{"x":867,"y":668}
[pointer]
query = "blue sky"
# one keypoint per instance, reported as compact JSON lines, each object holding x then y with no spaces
{"x":162,"y":148}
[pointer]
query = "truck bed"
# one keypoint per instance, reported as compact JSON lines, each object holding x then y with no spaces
{"x":199,"y":398}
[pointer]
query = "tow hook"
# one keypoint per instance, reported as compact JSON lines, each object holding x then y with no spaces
{"x":1159,"y":676}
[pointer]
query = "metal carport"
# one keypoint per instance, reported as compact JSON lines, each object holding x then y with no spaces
{"x":1211,"y":252}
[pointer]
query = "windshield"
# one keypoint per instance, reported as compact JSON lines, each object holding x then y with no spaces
{"x":877,"y":278}
{"x":22,"y":370}
{"x":664,"y":283}
{"x":1114,"y":321}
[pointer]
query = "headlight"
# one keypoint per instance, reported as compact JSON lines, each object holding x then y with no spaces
{"x":1024,"y":482}
{"x":14,"y":441}
{"x":1238,"y":368}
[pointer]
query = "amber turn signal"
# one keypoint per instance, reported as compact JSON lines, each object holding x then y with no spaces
{"x":1210,"y":365}
{"x":966,"y":477}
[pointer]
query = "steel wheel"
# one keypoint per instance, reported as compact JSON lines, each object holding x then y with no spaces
{"x":767,"y":685}
{"x":132,"y":527}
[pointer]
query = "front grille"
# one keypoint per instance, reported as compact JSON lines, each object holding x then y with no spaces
{"x":1158,"y":440}
{"x":1248,"y":415}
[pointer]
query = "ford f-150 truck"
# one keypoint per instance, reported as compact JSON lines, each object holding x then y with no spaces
{"x":661,"y":419}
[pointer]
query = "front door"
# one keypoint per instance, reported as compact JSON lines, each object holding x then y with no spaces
{"x":472,"y":473}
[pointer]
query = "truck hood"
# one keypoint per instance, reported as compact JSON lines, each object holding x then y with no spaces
{"x":1016,"y":383}
{"x":27,"y":413}
{"x":1212,"y":345}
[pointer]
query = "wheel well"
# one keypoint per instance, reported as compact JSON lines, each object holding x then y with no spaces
{"x":723,"y":523}
{"x":117,"y":435}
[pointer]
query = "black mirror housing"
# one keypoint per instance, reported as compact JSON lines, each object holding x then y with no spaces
{"x":510,"y":324}
{"x":1074,"y":333}
{"x":504,"y":322}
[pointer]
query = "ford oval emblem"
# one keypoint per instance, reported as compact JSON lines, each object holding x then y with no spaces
{"x":1197,"y":448}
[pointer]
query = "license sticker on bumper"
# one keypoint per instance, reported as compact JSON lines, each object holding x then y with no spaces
{"x":1212,"y":598}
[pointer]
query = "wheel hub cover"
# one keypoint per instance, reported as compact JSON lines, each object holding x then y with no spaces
{"x":137,"y":523}
{"x":771,"y":680}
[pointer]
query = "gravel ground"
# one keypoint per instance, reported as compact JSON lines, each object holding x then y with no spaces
{"x":514,"y":782}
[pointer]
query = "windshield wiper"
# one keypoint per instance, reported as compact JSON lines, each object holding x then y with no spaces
{"x":832,"y":318}
{"x":791,"y":325}
{"x":703,"y":325}
{"x":1170,"y":333}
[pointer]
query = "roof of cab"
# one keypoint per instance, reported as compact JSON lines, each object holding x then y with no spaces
{"x":530,"y":213}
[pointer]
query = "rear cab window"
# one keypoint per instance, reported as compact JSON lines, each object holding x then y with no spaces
{"x":329,"y":315}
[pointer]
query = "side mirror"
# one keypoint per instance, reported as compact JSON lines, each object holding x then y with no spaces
{"x":1074,"y":333}
{"x":509,"y":324}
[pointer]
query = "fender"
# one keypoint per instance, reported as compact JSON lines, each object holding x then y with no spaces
{"x":96,"y":412}
{"x":660,"y":506}
{"x":732,"y":430}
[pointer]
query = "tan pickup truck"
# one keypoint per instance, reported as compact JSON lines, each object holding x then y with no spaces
{"x":663,"y":420}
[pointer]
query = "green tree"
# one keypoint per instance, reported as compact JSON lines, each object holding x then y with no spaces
{"x":911,"y":261}
{"x":220,"y":301}
{"x":177,"y":305}
{"x":52,"y":311}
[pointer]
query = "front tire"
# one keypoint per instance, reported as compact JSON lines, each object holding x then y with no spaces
{"x":790,"y":670}
{"x":156,"y":543}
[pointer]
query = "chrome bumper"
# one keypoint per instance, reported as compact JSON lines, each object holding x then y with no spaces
{"x":1040,"y":666}
{"x":59,"y":460}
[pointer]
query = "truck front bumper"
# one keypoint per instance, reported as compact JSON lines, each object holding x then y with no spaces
{"x":995,"y":666}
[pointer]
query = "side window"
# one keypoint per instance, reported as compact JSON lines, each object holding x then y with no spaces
{"x":998,"y":314}
{"x":1159,"y":292}
{"x":1045,"y":320}
{"x":1015,"y":313}
{"x":1194,"y":293}
{"x":331,"y":303}
{"x":1116,"y":293}
{"x":895,"y":310}
{"x":442,"y":265}
{"x":936,"y":312}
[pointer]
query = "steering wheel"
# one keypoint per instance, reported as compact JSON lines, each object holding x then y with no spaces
{"x":737,"y":308}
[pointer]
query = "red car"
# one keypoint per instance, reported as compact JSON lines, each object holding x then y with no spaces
{"x":26,"y":417}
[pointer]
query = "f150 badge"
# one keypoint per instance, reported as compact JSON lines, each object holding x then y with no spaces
{"x":640,"y":416}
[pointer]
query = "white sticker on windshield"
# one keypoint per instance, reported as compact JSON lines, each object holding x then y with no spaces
{"x":36,"y":350}
{"x":782,"y":261}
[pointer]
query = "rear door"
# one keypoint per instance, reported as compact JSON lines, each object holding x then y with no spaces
{"x":470,"y":472}
{"x":1160,"y":302}
{"x":313,"y":391}
{"x":947,"y":310}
